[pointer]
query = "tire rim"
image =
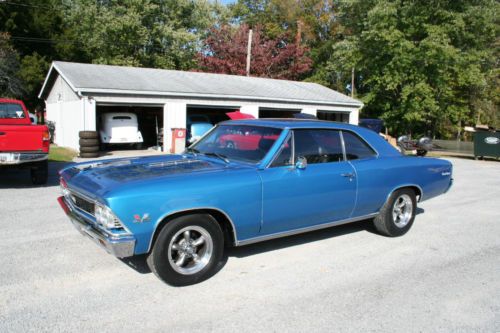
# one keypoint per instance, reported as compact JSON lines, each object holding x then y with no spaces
{"x":402,"y":210}
{"x":190,"y":250}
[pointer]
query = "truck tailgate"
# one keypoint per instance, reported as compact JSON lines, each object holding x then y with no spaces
{"x":18,"y":138}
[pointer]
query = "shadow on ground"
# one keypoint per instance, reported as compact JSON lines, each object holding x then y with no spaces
{"x":139,"y":264}
{"x":20,"y":178}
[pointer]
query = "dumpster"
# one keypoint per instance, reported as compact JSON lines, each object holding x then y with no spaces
{"x":486,"y":144}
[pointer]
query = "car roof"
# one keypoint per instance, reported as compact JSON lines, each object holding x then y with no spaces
{"x":290,"y":123}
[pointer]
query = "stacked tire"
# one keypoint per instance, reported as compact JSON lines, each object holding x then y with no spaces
{"x":89,"y":144}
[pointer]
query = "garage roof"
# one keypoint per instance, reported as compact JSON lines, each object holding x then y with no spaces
{"x":106,"y":79}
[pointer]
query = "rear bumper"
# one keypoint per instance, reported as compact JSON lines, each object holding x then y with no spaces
{"x":15,"y":158}
{"x":120,"y":246}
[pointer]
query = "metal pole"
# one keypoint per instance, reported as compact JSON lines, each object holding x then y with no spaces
{"x":249,"y":50}
{"x":352,"y":82}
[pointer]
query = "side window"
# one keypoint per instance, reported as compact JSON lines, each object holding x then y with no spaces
{"x":318,"y":145}
{"x":284,"y":158}
{"x":355,"y":147}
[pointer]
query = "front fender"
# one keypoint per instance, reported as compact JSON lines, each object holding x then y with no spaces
{"x":235,"y":193}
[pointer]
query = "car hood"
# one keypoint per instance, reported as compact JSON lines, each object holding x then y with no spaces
{"x":97,"y":178}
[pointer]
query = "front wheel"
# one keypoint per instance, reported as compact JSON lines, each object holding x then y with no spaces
{"x":397,"y":215}
{"x":187,"y":250}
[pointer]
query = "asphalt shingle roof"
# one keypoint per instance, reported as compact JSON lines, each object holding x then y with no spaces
{"x":114,"y":79}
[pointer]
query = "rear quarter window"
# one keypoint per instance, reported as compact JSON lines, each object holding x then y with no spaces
{"x":356,"y":148}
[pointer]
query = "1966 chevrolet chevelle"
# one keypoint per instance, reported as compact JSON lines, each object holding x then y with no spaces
{"x":303,"y":175}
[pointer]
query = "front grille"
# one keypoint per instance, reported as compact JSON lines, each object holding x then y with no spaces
{"x":83,"y":204}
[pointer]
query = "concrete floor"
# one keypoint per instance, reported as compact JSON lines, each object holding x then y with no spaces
{"x":443,"y":276}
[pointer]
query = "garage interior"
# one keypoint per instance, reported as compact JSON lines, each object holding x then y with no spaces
{"x":150,"y":119}
{"x":341,"y":117}
{"x":277,"y":113}
{"x":215,"y":114}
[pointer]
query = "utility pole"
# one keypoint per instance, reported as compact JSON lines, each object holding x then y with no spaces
{"x":249,"y":50}
{"x":352,"y":82}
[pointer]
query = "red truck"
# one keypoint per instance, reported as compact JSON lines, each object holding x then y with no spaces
{"x":21,"y":143}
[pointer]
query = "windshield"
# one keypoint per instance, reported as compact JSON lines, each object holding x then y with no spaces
{"x":237,"y":142}
{"x":11,"y":111}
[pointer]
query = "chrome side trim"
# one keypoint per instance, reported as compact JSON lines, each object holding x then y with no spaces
{"x":303,"y":230}
{"x":187,"y":211}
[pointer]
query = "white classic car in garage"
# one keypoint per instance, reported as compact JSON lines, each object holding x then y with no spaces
{"x":120,"y":128}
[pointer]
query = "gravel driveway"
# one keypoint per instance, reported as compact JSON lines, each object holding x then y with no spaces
{"x":444,"y":275}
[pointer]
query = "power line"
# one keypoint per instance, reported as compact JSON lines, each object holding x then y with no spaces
{"x":24,"y":4}
{"x":24,"y":39}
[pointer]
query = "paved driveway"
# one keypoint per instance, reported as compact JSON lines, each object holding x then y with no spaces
{"x":444,"y":275}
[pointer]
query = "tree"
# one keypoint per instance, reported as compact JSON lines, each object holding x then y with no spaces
{"x":151,"y":33}
{"x":420,"y":67}
{"x":10,"y":83}
{"x":225,"y":51}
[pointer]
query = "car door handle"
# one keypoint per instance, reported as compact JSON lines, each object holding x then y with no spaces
{"x":348,"y":174}
{"x":2,"y":133}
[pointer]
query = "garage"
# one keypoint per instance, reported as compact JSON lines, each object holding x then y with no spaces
{"x":277,"y":112}
{"x":166,"y":102}
{"x":149,"y":120}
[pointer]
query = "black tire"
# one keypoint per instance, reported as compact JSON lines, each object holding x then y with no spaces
{"x":88,"y":142}
{"x":421,"y":152}
{"x":167,"y":270}
{"x":138,"y":145}
{"x":89,"y":155}
{"x":88,"y":135}
{"x":385,"y":223}
{"x":40,"y":173}
{"x":89,"y":149}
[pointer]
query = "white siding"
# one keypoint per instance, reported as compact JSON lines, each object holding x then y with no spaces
{"x":61,"y":92}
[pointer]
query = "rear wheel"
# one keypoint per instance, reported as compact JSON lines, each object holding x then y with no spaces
{"x":397,"y":215}
{"x":40,"y":173}
{"x":187,"y":250}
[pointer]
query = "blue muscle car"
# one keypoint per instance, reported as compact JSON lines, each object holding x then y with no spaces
{"x":277,"y":178}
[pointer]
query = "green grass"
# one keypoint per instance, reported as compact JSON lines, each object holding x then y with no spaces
{"x":61,"y":154}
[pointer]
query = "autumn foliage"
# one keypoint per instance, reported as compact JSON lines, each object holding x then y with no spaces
{"x":225,"y":51}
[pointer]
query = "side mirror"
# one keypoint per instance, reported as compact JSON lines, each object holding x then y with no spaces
{"x":301,"y":163}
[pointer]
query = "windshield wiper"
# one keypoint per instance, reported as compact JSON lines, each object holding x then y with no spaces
{"x":220,"y":156}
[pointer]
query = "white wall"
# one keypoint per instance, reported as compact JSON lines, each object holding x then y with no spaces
{"x":71,"y":117}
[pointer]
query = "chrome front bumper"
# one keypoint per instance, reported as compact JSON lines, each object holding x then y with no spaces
{"x":120,"y":246}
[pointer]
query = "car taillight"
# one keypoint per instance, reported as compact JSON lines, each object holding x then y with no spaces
{"x":46,"y":139}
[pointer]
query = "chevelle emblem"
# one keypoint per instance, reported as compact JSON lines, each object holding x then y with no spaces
{"x":139,"y":219}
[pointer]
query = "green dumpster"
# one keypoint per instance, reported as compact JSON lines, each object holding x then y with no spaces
{"x":486,"y":144}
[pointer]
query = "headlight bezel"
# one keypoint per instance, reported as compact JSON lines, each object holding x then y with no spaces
{"x":105,"y":217}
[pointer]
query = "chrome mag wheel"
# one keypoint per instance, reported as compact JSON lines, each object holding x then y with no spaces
{"x":402,"y":210}
{"x":190,"y":250}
